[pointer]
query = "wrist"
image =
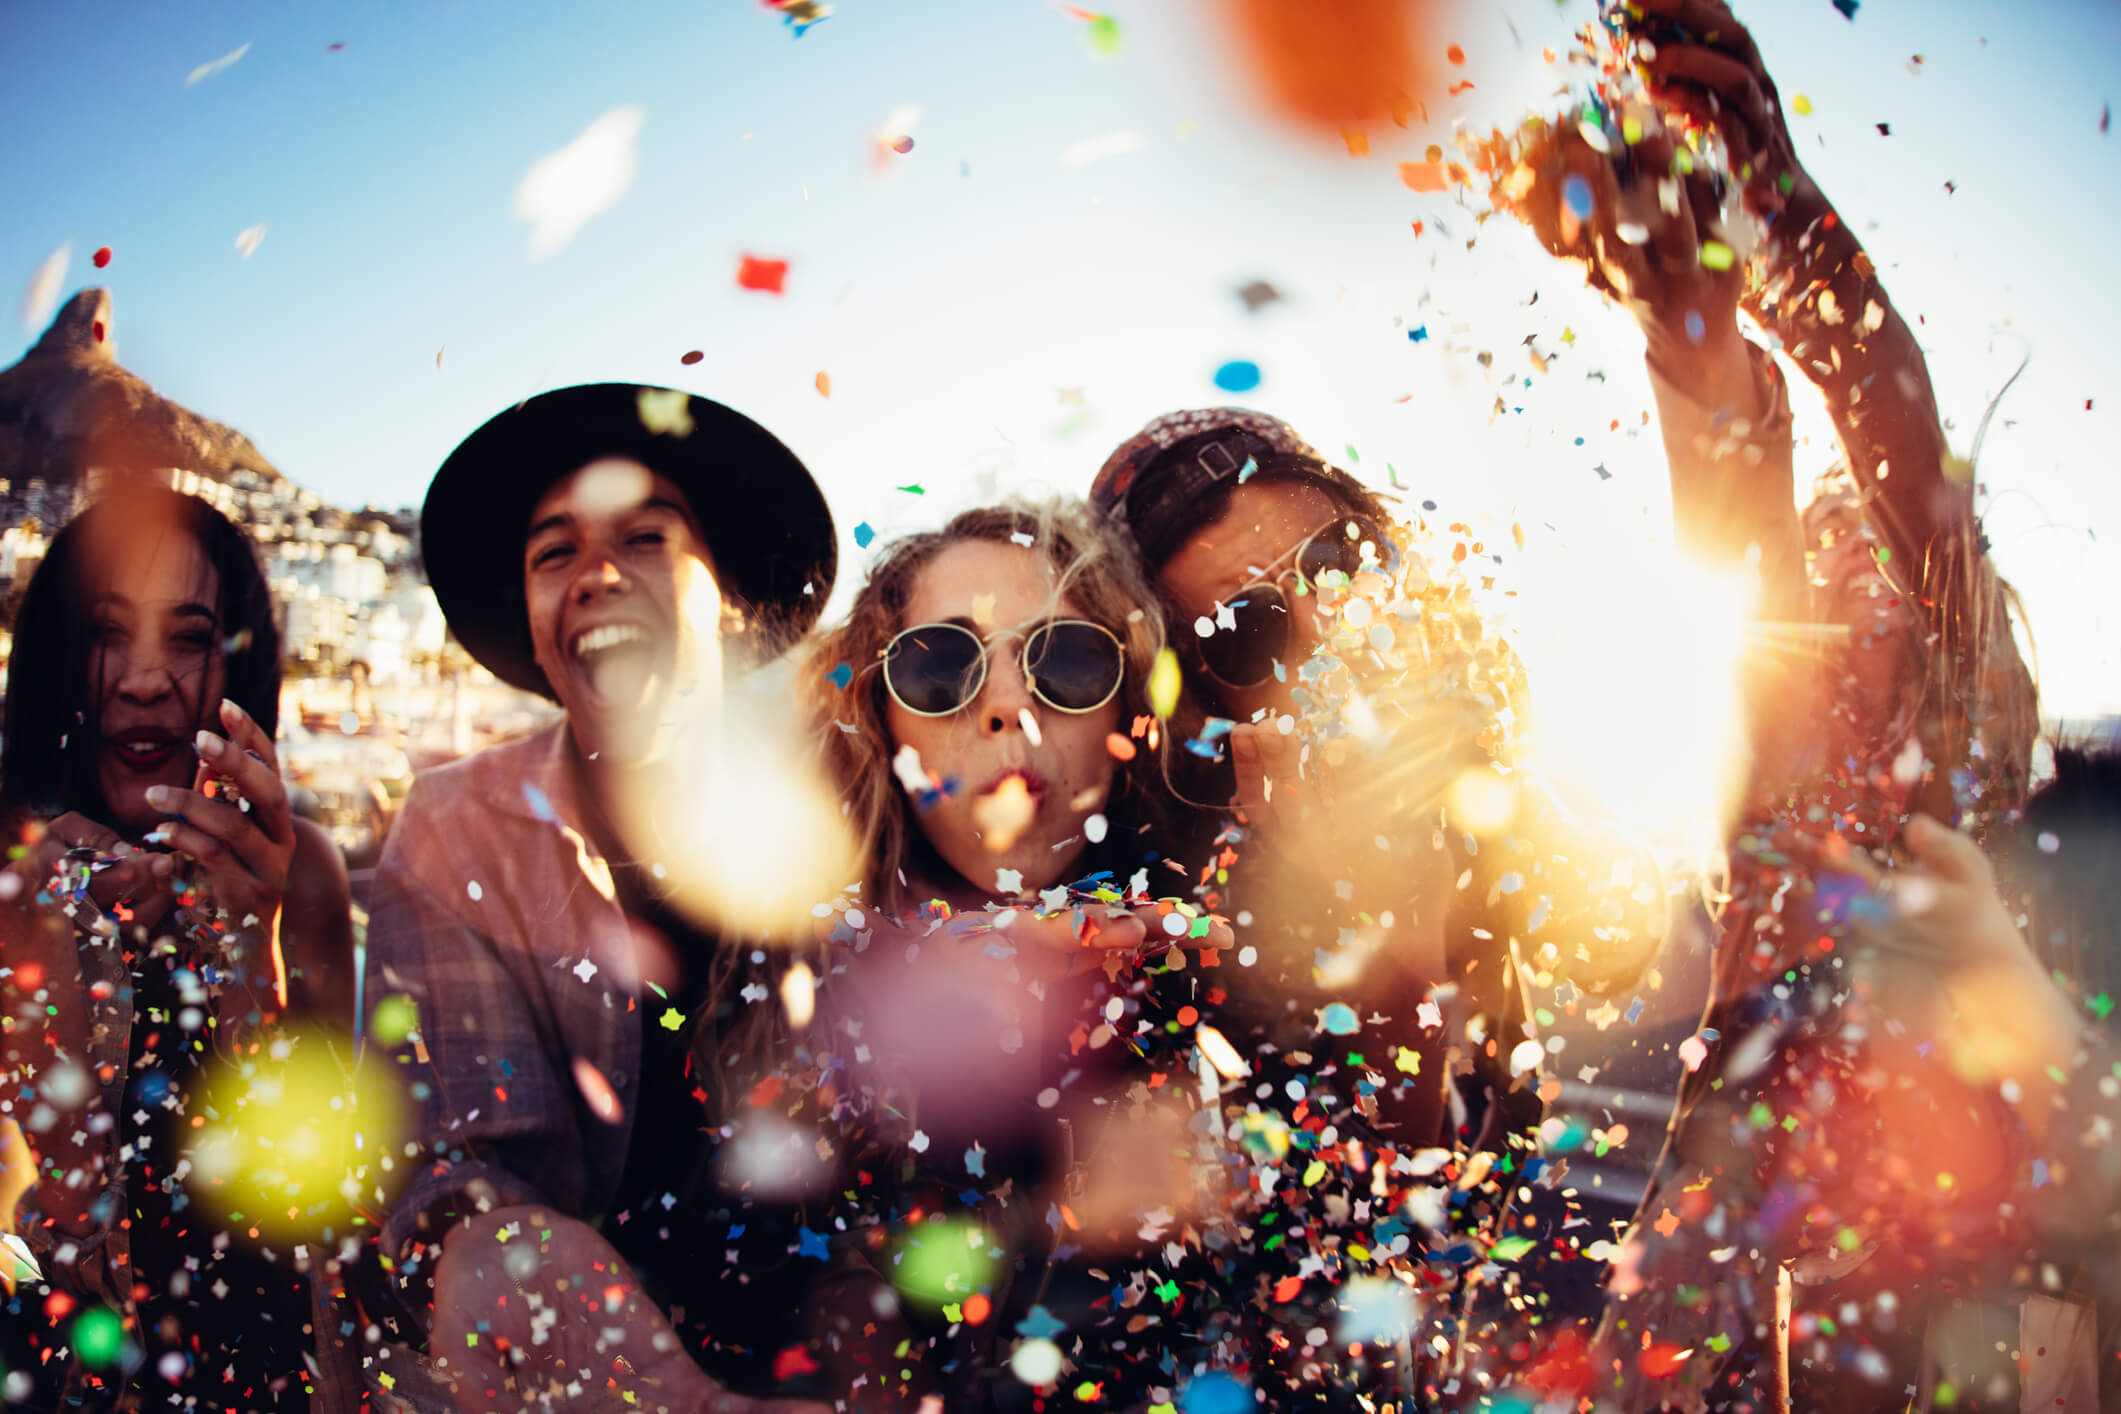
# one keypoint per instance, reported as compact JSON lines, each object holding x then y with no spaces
{"x":1716,"y":372}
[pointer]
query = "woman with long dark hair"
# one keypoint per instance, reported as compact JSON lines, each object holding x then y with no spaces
{"x":164,"y":909}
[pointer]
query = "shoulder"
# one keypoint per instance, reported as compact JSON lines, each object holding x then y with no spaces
{"x":476,"y":781}
{"x":317,"y":873}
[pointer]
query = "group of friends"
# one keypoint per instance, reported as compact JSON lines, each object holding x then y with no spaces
{"x":1170,"y":1037}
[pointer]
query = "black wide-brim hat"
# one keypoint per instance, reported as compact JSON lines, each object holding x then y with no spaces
{"x":767,"y":528}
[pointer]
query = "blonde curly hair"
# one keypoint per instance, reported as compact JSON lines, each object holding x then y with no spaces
{"x":1087,"y":561}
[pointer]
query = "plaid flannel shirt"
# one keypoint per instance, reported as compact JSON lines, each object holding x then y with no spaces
{"x":495,"y":914}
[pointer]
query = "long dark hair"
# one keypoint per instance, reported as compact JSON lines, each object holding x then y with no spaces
{"x":49,"y":730}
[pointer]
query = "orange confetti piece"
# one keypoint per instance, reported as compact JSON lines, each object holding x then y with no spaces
{"x":1288,"y":1288}
{"x":977,"y":1309}
{"x":1423,"y":176}
{"x":1455,"y":54}
{"x":1121,"y":748}
{"x":1357,"y":140}
{"x":824,"y":384}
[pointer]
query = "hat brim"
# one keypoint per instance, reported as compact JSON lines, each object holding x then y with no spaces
{"x":768,"y":531}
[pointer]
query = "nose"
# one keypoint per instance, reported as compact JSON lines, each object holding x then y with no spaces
{"x":600,"y":575}
{"x":146,"y":677}
{"x":1005,"y":696}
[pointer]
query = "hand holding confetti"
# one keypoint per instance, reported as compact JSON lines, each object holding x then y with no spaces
{"x":242,"y":842}
{"x":1618,"y":191}
{"x":1699,"y":61}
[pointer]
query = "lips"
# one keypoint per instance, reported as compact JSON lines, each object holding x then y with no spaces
{"x":145,"y":748}
{"x":1034,"y":783}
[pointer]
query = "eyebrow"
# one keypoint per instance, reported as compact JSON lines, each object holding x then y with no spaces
{"x":189,"y":608}
{"x":559,"y":520}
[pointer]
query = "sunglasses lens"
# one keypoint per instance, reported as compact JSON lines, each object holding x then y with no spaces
{"x":1245,"y":655}
{"x":1074,"y":666}
{"x":934,"y":669}
{"x":1335,"y":554}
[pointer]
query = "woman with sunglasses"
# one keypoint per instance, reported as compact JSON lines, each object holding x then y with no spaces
{"x":1259,"y":550}
{"x":978,"y":708}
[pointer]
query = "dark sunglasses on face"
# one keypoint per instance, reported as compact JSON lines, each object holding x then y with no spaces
{"x":1243,"y":651}
{"x":1073,"y":666}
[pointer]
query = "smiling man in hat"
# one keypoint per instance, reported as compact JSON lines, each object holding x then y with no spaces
{"x":616,"y":549}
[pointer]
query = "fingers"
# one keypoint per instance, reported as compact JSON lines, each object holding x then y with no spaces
{"x":80,"y":832}
{"x":129,"y":878}
{"x":1947,"y":852}
{"x":1744,"y":111}
{"x":246,"y":757}
{"x":247,"y":735}
{"x":259,"y":783}
{"x":1116,"y":930}
{"x":1706,"y":22}
{"x":216,"y":834}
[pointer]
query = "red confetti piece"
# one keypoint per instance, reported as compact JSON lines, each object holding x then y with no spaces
{"x":690,"y":357}
{"x":977,"y":1309}
{"x":1288,"y":1288}
{"x":98,"y":330}
{"x":764,"y":275}
{"x":793,"y":1361}
{"x":1455,"y":54}
{"x":101,"y":257}
{"x":1662,"y":1360}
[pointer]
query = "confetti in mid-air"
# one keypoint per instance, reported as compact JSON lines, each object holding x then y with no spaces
{"x":41,"y":296}
{"x":214,"y":66}
{"x":758,"y":273}
{"x":565,"y":188}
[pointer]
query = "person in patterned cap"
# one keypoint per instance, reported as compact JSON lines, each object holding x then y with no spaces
{"x":1251,"y":539}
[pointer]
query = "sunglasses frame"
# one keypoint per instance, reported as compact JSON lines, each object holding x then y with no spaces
{"x":1274,"y":582}
{"x":986,"y":651}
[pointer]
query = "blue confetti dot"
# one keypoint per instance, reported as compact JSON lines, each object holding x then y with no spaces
{"x":1419,"y":334}
{"x":1339,"y":1019}
{"x":1215,"y":1393}
{"x":1697,"y":328}
{"x":1576,"y":192}
{"x":842,"y":675}
{"x":863,"y":534}
{"x":1239,"y":375}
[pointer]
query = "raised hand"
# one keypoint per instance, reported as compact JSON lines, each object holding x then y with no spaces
{"x":243,"y":856}
{"x":1699,"y":60}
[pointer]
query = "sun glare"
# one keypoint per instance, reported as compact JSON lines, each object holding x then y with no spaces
{"x":1632,"y":662}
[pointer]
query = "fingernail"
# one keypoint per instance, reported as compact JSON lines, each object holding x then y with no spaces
{"x":162,"y":865}
{"x":210,"y":745}
{"x":158,"y":835}
{"x":160,"y":796}
{"x":230,"y":712}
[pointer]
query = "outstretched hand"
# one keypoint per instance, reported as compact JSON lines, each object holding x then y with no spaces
{"x":1699,"y":60}
{"x":1645,"y":219}
{"x":1947,"y":963}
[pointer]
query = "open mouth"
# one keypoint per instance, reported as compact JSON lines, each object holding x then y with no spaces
{"x":145,"y":748}
{"x":620,"y":662}
{"x":1004,"y":811}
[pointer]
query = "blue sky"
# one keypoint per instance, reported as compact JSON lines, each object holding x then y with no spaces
{"x":991,"y":318}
